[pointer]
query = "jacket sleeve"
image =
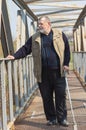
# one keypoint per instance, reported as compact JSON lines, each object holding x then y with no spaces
{"x":66,"y":51}
{"x":24,"y":50}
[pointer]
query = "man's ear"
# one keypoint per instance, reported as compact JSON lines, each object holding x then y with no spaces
{"x":49,"y":23}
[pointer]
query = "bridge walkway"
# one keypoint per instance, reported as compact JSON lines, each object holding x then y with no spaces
{"x":33,"y":117}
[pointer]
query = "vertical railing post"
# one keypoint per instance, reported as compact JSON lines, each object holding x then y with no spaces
{"x":78,"y":38}
{"x":15,"y":68}
{"x":0,"y":16}
{"x":3,"y":96}
{"x":30,"y":68}
{"x":10,"y":90}
{"x":75,"y":41}
{"x":24,"y":78}
{"x":27,"y":32}
{"x":85,"y":25}
{"x":23,"y":31}
{"x":32,"y":74}
{"x":31,"y":28}
{"x":84,"y":34}
{"x":28,"y":76}
{"x":18,"y":29}
{"x":22,"y":28}
{"x":21,"y":83}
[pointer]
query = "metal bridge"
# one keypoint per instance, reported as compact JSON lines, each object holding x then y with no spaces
{"x":20,"y":102}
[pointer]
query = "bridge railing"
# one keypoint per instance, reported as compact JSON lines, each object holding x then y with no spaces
{"x":79,"y":31}
{"x":80,"y":66}
{"x":17,"y":84}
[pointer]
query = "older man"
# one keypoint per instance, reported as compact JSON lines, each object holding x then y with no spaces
{"x":51,"y":56}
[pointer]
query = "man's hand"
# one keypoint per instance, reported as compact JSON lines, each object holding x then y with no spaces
{"x":10,"y":57}
{"x":66,"y":69}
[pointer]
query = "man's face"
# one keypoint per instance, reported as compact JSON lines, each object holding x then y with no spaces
{"x":43,"y":25}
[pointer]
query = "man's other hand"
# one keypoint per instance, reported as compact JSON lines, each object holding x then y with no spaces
{"x":66,"y":69}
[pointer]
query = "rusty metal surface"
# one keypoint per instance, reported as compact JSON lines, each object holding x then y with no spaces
{"x":33,"y":117}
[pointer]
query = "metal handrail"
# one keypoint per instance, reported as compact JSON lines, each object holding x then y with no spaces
{"x":17,"y":84}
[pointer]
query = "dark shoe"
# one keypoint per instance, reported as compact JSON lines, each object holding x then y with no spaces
{"x":64,"y":123}
{"x":53,"y":122}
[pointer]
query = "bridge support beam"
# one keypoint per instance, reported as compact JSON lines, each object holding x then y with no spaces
{"x":22,"y":28}
{"x":0,"y":16}
{"x":6,"y":36}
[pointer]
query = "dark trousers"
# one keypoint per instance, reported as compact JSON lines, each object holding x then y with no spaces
{"x":53,"y":85}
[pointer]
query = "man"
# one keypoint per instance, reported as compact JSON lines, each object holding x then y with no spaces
{"x":51,"y":55}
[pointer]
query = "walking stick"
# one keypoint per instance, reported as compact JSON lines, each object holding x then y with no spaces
{"x":70,"y":101}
